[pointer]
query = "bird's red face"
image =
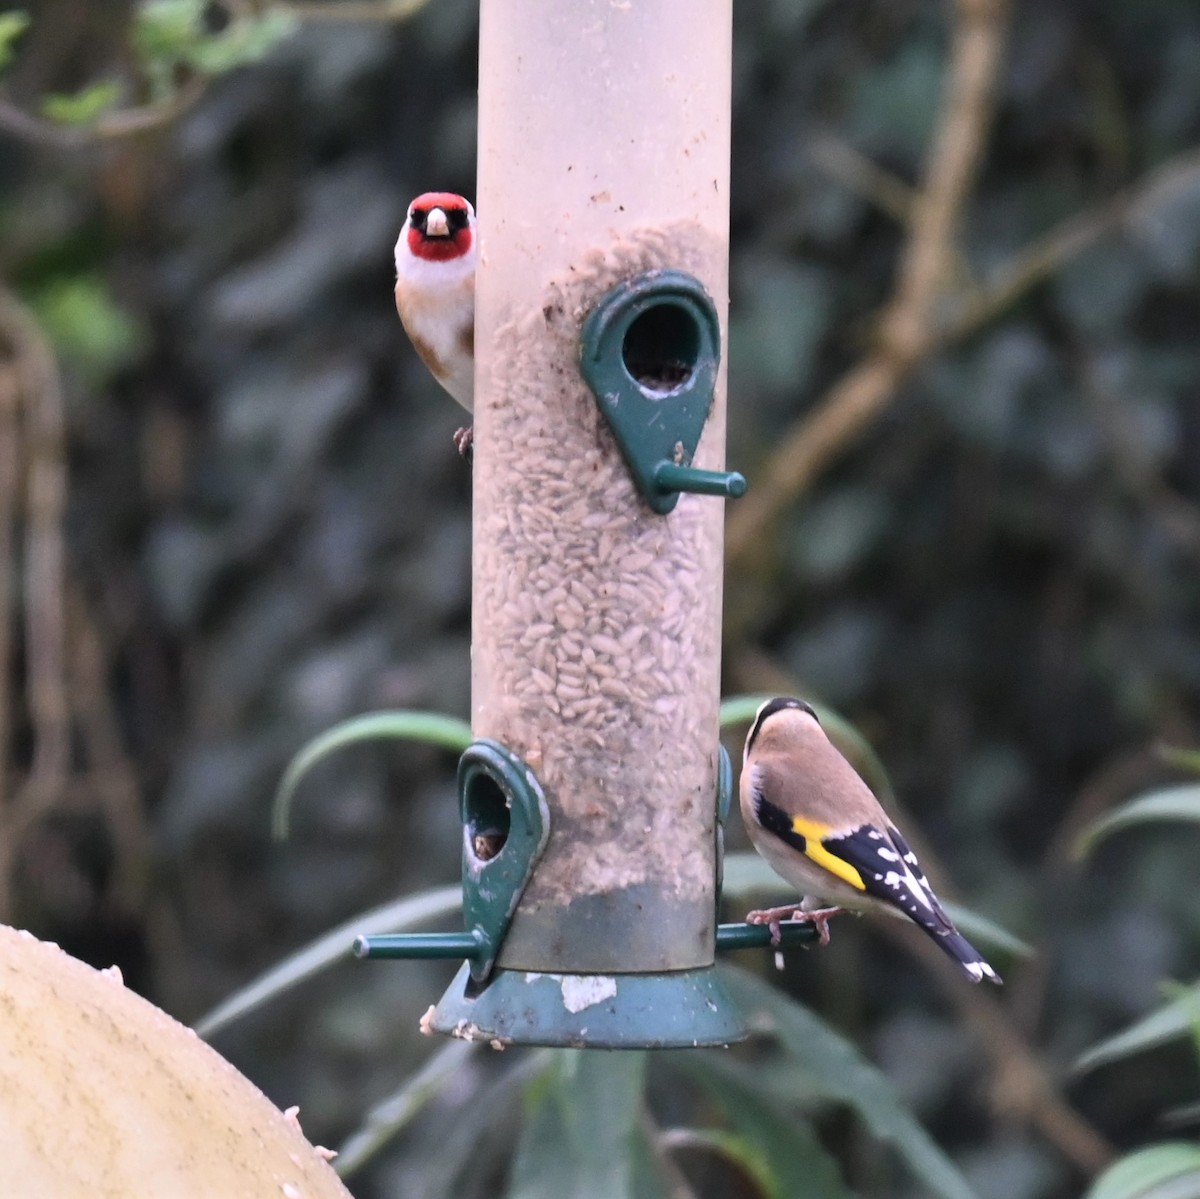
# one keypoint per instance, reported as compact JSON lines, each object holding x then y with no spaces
{"x":441,"y":226}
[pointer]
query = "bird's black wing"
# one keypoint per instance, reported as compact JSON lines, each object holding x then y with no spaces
{"x":890,"y":872}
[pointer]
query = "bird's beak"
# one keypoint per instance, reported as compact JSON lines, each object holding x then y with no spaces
{"x":436,"y":224}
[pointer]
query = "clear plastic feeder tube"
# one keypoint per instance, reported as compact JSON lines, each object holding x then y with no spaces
{"x":604,"y":152}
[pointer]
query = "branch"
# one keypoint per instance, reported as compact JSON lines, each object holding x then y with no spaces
{"x":353,"y":10}
{"x":1049,"y":254}
{"x":112,"y":778}
{"x":10,"y":488}
{"x":40,"y":398}
{"x":113,"y":126}
{"x":858,"y":173}
{"x":1021,"y":1088}
{"x":958,"y":143}
{"x":144,"y":118}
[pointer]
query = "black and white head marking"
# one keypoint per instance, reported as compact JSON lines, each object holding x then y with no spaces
{"x":770,"y":708}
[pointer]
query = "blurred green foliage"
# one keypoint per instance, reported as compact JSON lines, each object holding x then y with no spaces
{"x":89,"y":329}
{"x":12,"y":25}
{"x":170,"y":34}
{"x":85,"y":105}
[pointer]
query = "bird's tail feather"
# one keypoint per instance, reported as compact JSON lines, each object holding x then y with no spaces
{"x":967,"y":956}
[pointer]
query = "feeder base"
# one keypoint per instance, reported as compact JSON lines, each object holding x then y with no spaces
{"x":680,"y":1009}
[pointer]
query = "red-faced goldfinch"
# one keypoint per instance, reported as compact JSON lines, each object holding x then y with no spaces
{"x":435,"y":292}
{"x":820,"y":828}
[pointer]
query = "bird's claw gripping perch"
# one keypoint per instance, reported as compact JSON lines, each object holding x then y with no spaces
{"x":773,"y":917}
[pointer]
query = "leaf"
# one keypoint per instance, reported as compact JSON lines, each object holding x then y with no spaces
{"x":388,"y":1118}
{"x":430,"y":727}
{"x":164,"y":31}
{"x":1171,"y":803}
{"x":579,"y":1138}
{"x":1189,"y":998}
{"x":777,"y":1149}
{"x":334,"y":946}
{"x":479,"y":1133}
{"x":834,"y":1069}
{"x":88,"y":327}
{"x":1167,"y":1171}
{"x":739,"y":1150}
{"x":740,"y":709}
{"x":171,"y":33}
{"x":746,"y":873}
{"x":979,"y":930}
{"x":1164,"y":1024}
{"x":12,"y":25}
{"x":649,"y":1180}
{"x":1184,"y":759}
{"x":247,"y":39}
{"x":1182,"y":1115}
{"x":84,"y":106}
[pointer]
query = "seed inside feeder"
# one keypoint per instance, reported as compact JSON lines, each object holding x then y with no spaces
{"x":602,"y":618}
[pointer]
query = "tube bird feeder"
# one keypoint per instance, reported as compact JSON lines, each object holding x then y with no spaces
{"x":601,"y":302}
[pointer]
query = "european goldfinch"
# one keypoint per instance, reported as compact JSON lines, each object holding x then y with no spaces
{"x":819,"y":827}
{"x":435,"y":292}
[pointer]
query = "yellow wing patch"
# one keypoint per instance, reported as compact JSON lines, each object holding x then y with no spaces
{"x":814,"y":834}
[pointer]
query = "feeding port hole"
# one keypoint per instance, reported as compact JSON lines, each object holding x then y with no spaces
{"x":661,"y":348}
{"x":488,"y":817}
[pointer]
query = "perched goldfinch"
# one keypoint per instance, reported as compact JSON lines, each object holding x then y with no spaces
{"x":435,"y":292}
{"x":819,"y":827}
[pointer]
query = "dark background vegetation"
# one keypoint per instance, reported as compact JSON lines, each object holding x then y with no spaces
{"x":977,"y":534}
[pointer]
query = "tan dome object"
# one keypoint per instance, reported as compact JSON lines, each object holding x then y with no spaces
{"x":103,"y":1094}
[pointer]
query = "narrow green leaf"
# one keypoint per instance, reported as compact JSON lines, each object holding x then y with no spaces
{"x":1167,"y":1171}
{"x":334,"y":946}
{"x":1189,"y":999}
{"x":388,"y":1118}
{"x":477,"y":1138}
{"x":579,"y":1137}
{"x":12,"y":25}
{"x":1171,"y":803}
{"x":739,"y":1150}
{"x":746,"y":874}
{"x":1184,"y":759}
{"x":740,"y":709}
{"x":401,"y":725}
{"x":1164,"y":1024}
{"x":835,"y":1070}
{"x":772,"y":1144}
{"x":649,"y":1179}
{"x":1182,"y":1115}
{"x":84,"y":106}
{"x":986,"y":933}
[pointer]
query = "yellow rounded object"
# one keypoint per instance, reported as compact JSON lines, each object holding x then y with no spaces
{"x":103,"y":1094}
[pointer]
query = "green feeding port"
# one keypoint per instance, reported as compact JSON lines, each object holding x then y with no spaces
{"x":649,"y":351}
{"x":505,"y":827}
{"x":506,"y":822}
